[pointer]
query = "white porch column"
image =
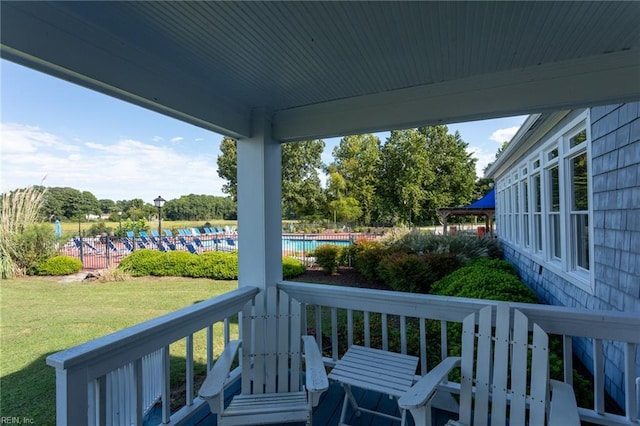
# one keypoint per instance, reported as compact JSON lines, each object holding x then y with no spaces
{"x":259,"y":205}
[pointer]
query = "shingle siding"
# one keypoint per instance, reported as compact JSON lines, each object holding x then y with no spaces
{"x":615,"y":186}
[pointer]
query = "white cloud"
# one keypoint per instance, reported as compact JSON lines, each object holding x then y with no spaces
{"x":124,"y":169}
{"x":157,"y":138}
{"x":20,"y":138}
{"x":502,"y":135}
{"x":177,"y":139}
{"x":483,"y":158}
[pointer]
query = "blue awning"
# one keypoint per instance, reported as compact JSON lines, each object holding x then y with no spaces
{"x":486,"y":202}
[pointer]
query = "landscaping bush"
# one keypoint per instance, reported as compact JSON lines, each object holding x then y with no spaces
{"x":415,"y":273}
{"x":480,"y":281}
{"x":292,"y":267}
{"x":327,"y":257}
{"x":215,"y":265}
{"x":464,"y":246}
{"x":60,"y":265}
{"x":368,"y":255}
{"x":33,"y":246}
{"x":143,"y":262}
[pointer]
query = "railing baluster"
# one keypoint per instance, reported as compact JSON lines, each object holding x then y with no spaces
{"x":138,"y":406}
{"x":227,"y":333}
{"x":189,"y":372}
{"x":403,"y":334}
{"x":166,"y":386}
{"x":210,"y":347}
{"x":443,"y":340}
{"x":567,"y":359}
{"x":367,"y":330}
{"x":318,"y":326}
{"x":334,"y":334}
{"x":423,"y":347}
{"x":598,"y":376}
{"x":631,"y":399}
{"x":349,"y":328}
{"x":122,"y":395}
{"x":385,"y":333}
{"x":102,"y":399}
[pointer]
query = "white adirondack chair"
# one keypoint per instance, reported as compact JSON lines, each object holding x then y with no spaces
{"x":488,"y":354}
{"x":272,"y":351}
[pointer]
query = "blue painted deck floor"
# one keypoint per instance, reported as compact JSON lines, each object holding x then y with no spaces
{"x":328,"y":410}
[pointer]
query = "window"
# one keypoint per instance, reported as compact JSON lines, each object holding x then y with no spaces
{"x":537,"y":213}
{"x":579,"y":210}
{"x":553,"y":177}
{"x":525,"y":212}
{"x":545,"y":203}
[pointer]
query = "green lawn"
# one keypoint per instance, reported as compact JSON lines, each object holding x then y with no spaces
{"x":39,"y":317}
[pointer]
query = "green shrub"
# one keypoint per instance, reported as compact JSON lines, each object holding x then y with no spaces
{"x":327,"y":257}
{"x":368,"y":255}
{"x":292,"y":267}
{"x":463,"y":246}
{"x":143,"y":262}
{"x":33,"y":246}
{"x":60,"y":265}
{"x":216,"y":265}
{"x":481,"y":282}
{"x":415,"y":273}
{"x":99,"y":228}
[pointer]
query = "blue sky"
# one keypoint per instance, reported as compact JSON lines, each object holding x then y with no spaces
{"x":72,"y":136}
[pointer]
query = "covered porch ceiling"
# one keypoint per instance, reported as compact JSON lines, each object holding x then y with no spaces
{"x":332,"y":68}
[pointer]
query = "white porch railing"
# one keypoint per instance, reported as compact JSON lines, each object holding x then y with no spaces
{"x":114,"y":379}
{"x":395,"y":311}
{"x":104,"y":381}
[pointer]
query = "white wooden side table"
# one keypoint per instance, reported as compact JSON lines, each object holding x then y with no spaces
{"x":386,"y":372}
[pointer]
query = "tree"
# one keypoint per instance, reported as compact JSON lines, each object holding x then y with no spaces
{"x":404,"y":175}
{"x":228,"y":166}
{"x":346,"y":209}
{"x":199,"y":207}
{"x":107,"y":206}
{"x":453,"y":167}
{"x":482,"y":187}
{"x":301,"y":191}
{"x":498,"y":152}
{"x":357,"y":160}
{"x":424,"y":169}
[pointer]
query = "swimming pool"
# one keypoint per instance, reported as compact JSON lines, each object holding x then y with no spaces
{"x":301,"y":244}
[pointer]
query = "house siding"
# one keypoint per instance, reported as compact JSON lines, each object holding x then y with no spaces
{"x":615,"y":186}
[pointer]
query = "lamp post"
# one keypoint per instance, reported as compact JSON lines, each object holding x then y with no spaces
{"x":120,"y":223}
{"x":159,"y":202}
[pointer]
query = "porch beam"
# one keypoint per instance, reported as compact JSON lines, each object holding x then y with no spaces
{"x":546,"y":87}
{"x":259,"y":205}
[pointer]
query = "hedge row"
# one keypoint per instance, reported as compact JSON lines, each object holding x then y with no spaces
{"x":214,"y":265}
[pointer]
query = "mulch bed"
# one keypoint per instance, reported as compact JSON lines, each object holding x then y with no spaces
{"x":345,"y":276}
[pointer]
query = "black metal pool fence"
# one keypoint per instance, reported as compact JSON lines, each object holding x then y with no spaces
{"x":102,"y":252}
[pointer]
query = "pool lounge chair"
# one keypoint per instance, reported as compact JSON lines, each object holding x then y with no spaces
{"x":127,"y":244}
{"x":168,"y":233}
{"x":169,"y":244}
{"x":191,"y":248}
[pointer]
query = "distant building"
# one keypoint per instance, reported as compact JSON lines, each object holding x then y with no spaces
{"x":568,"y":214}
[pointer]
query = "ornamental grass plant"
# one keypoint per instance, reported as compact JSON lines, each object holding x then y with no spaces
{"x":19,"y":214}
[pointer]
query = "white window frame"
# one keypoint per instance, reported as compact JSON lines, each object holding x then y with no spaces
{"x":566,"y":265}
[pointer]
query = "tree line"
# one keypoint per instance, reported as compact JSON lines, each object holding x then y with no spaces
{"x":404,"y":179}
{"x":67,"y":203}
